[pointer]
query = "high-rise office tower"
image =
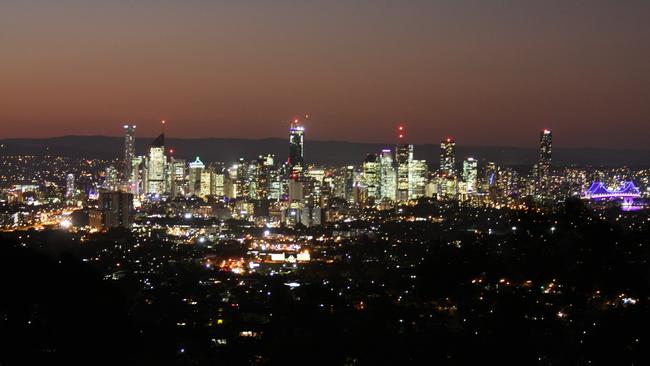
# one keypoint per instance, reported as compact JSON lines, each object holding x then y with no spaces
{"x":491,"y":177}
{"x":448,"y":157}
{"x":491,"y":172}
{"x":403,"y":158}
{"x":206,"y":183}
{"x":261,"y":176}
{"x":69,"y":186}
{"x":371,"y":178}
{"x":275,"y":184}
{"x":251,"y":180}
{"x":470,"y":175}
{"x":348,"y":183}
{"x":315,"y":179}
{"x":177,"y":177}
{"x":195,"y":175}
{"x":129,"y":154}
{"x":544,"y":163}
{"x":156,"y":165}
{"x":230,"y":181}
{"x":139,"y":178}
{"x":418,"y":173}
{"x":296,"y":146}
{"x":111,"y":179}
{"x":388,"y":175}
{"x":217,"y":182}
{"x":507,"y":182}
{"x":242,"y":179}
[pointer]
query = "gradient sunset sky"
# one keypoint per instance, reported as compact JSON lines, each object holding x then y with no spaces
{"x":486,"y":72}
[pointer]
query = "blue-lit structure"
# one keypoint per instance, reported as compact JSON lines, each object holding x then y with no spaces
{"x":627,"y":192}
{"x":296,"y":145}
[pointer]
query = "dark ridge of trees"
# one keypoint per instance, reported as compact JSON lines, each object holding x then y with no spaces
{"x":59,"y":311}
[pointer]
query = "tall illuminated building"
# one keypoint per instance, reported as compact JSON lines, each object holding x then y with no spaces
{"x":348,"y":183}
{"x":470,"y":175}
{"x":129,"y":154}
{"x":156,"y":165}
{"x":275,"y":184}
{"x":262,"y":176}
{"x":251,"y":179}
{"x":370,"y":176}
{"x":206,"y":183}
{"x":195,"y":175}
{"x":403,"y":158}
{"x":490,"y":180}
{"x":491,"y":172}
{"x":418,"y":177}
{"x":69,"y":186}
{"x":507,"y":182}
{"x":177,"y":177}
{"x":544,"y":162}
{"x":387,"y":175}
{"x":138,"y":181}
{"x":296,"y":146}
{"x":111,"y":179}
{"x":230,"y":181}
{"x":242,"y":179}
{"x":315,"y":179}
{"x":448,"y":157}
{"x":217,"y":182}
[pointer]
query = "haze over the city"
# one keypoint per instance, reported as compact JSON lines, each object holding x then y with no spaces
{"x":487,"y":73}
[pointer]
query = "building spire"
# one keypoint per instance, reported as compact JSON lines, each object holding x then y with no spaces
{"x":159,"y":141}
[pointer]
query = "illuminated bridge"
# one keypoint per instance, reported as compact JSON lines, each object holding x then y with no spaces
{"x":627,"y":192}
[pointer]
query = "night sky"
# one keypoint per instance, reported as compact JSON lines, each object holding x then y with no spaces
{"x":486,"y":72}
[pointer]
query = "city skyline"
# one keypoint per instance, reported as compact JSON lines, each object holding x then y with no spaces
{"x":479,"y":72}
{"x":340,"y":183}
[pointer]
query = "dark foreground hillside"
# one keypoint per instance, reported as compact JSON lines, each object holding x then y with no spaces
{"x":418,"y":293}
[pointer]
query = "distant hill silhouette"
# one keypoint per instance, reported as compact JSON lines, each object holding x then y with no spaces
{"x":318,"y":152}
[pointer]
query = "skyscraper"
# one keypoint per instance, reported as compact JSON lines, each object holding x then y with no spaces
{"x":206,"y":183}
{"x":491,"y":172}
{"x":491,"y":178}
{"x":370,"y":178}
{"x":296,"y":146}
{"x":418,"y":173}
{"x":242,"y":179}
{"x":129,"y":153}
{"x":448,"y":157}
{"x":275,"y":184}
{"x":138,"y":178}
{"x":156,"y":165}
{"x":403,"y":158}
{"x":348,"y":183}
{"x":544,"y":163}
{"x":111,"y":179}
{"x":263,"y":166}
{"x":69,"y":186}
{"x":388,"y":176}
{"x":470,"y":175}
{"x":177,"y":177}
{"x":217,"y":181}
{"x":195,"y":174}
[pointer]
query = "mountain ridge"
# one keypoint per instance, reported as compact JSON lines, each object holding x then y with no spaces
{"x":329,"y":152}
